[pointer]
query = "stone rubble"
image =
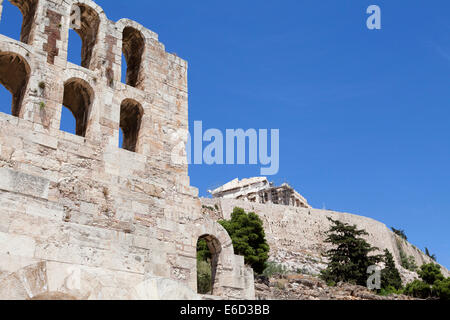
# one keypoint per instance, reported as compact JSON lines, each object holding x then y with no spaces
{"x":304,"y":287}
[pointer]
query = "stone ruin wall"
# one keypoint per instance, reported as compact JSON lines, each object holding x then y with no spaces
{"x":79,"y":217}
{"x":296,"y":235}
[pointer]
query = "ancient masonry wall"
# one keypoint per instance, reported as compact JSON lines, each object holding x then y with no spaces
{"x":296,"y":235}
{"x":79,"y":217}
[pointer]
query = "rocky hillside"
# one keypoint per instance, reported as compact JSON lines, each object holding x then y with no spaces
{"x":301,"y":287}
{"x":296,"y":236}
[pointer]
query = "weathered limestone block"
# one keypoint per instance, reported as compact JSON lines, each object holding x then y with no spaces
{"x":18,"y":182}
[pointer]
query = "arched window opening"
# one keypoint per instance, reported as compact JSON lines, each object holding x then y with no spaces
{"x":87,"y":28}
{"x":14,"y":75}
{"x":11,"y":18}
{"x":131,"y":113}
{"x":133,"y":45}
{"x":208,"y":250}
{"x":78,"y":97}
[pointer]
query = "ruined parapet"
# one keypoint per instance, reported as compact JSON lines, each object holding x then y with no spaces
{"x":78,"y":206}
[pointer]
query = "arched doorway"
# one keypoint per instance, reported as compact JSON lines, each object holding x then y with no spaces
{"x":208,"y":253}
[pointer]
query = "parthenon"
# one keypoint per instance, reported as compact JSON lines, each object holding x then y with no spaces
{"x":260,"y":190}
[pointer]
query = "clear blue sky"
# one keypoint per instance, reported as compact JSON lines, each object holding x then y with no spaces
{"x":363,"y":115}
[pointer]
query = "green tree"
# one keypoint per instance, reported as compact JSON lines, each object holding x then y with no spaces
{"x":390,"y":276}
{"x":418,"y":289}
{"x":249,"y":239}
{"x":430,"y":273}
{"x":203,"y":252}
{"x":442,"y":289}
{"x":433,"y":284}
{"x":349,"y":258}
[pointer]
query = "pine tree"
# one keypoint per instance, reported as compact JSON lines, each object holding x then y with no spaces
{"x":430,"y":273}
{"x":249,"y":239}
{"x":390,"y":276}
{"x":349,"y":259}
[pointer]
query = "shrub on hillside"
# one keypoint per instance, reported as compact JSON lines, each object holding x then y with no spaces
{"x":274,"y":268}
{"x":430,"y":273}
{"x":442,"y":289}
{"x":408,"y":263}
{"x":432,"y":256}
{"x":433,"y":284}
{"x":418,"y":289}
{"x":400,"y":233}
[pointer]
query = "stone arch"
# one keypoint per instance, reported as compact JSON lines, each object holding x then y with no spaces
{"x":221,"y":248}
{"x":87,"y":27}
{"x":94,"y":6}
{"x":14,"y":75}
{"x":28,"y":8}
{"x":78,"y":98}
{"x":146,"y":33}
{"x":131,"y":113}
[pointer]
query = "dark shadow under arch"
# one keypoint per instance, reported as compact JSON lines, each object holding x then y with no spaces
{"x":14,"y":76}
{"x":133,"y":45}
{"x":131,"y":113}
{"x":212,"y":258}
{"x":78,"y":98}
{"x":28,"y":9}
